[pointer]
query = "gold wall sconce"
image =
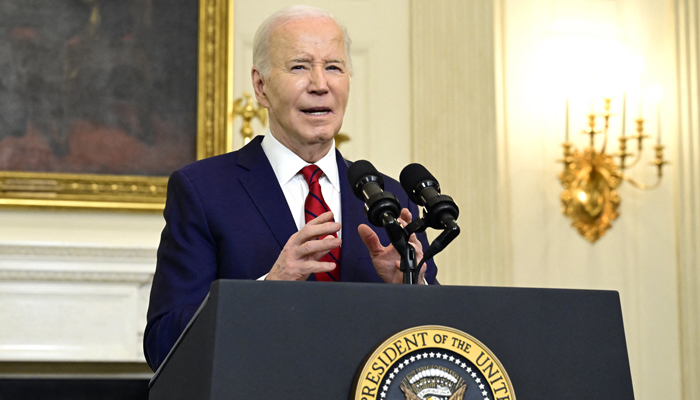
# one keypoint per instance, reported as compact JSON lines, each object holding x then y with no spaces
{"x":341,"y":138}
{"x":244,"y":107}
{"x":591,"y":176}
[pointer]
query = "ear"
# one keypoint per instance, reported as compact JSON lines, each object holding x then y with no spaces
{"x":259,"y":87}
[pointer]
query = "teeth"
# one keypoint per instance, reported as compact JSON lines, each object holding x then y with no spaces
{"x":316,"y":112}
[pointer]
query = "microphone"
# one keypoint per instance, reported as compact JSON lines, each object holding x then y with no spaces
{"x":382,"y":209}
{"x":368,"y":185}
{"x":441,"y":211}
{"x":423,"y":189}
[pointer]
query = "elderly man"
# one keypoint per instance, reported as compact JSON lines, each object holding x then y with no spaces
{"x":258,"y":213}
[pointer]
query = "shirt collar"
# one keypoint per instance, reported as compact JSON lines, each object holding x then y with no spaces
{"x":286,"y":164}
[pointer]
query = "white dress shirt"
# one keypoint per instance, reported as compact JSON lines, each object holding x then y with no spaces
{"x":287,"y":167}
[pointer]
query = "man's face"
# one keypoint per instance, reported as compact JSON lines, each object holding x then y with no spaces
{"x":309,"y":83}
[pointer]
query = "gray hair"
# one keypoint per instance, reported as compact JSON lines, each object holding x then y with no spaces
{"x":261,"y":43}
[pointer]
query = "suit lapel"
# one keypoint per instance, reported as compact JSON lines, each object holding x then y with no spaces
{"x":261,"y":185}
{"x":353,"y":215}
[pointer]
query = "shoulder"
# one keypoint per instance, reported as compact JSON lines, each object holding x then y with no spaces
{"x":210,"y":166}
{"x":200,"y":176}
{"x":225,"y":166}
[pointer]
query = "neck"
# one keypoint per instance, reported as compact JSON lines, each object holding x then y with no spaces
{"x":309,"y":152}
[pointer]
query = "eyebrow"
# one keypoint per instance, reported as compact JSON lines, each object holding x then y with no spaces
{"x":306,"y":59}
{"x":336,"y":61}
{"x":300,"y":59}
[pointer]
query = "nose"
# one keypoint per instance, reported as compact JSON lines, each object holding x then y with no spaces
{"x":318,"y":82}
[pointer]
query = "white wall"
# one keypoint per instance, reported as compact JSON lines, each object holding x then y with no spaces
{"x":637,"y":257}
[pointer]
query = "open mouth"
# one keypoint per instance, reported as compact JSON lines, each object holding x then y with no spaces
{"x":316,"y":111}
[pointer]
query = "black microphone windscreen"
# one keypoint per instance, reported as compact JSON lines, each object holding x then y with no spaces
{"x":411,"y":176}
{"x":360,"y":169}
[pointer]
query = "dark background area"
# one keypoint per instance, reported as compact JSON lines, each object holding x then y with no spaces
{"x":73,"y":389}
{"x":98,"y":86}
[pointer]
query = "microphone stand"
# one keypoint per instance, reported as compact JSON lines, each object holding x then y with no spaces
{"x":450,"y":231}
{"x":399,"y":238}
{"x":399,"y":235}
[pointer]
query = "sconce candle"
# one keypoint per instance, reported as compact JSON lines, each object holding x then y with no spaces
{"x":641,"y":96}
{"x":658,"y":122}
{"x":566,"y":123}
{"x":624,"y":112}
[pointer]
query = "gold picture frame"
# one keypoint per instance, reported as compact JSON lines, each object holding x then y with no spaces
{"x":124,"y":192}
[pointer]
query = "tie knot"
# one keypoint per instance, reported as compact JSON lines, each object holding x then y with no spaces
{"x":311,"y":173}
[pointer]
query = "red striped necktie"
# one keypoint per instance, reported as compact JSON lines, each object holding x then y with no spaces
{"x":313,"y":207}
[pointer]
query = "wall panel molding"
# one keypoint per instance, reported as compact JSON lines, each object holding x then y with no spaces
{"x":688,"y":186}
{"x":52,"y":251}
{"x":75,"y":276}
{"x":456,"y":130}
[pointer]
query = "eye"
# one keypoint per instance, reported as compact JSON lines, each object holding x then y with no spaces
{"x":297,"y":67}
{"x":334,"y":68}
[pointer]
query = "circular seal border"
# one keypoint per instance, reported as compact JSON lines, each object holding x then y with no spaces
{"x":430,"y":337}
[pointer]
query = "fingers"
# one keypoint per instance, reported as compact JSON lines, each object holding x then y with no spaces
{"x":301,"y":254}
{"x":417,"y":245}
{"x":315,"y":267}
{"x":299,"y":271}
{"x":405,"y":217}
{"x":421,"y":275}
{"x":321,"y":226}
{"x":370,"y":239}
{"x":315,"y":249}
{"x":325,"y":217}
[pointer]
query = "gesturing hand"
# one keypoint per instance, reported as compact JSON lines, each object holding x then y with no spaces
{"x":387,"y":260}
{"x":300,"y":255}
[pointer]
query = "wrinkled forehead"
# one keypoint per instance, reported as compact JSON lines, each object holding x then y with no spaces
{"x":308,"y":35}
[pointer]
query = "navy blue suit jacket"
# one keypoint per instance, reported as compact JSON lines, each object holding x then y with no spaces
{"x":227,"y":218}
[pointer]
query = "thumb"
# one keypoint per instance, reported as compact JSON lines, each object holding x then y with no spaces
{"x":370,"y":239}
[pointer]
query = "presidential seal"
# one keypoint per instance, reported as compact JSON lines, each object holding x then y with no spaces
{"x":433,"y":363}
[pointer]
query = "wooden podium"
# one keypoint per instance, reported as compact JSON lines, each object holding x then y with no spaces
{"x":308,"y":340}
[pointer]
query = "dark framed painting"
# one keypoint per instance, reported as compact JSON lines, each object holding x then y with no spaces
{"x":101,"y":100}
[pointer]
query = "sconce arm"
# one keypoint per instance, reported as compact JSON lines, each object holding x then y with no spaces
{"x":605,"y":139}
{"x":642,"y":186}
{"x":636,"y":160}
{"x":659,"y":162}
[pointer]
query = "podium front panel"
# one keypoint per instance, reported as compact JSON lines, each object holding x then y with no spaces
{"x":307,"y":340}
